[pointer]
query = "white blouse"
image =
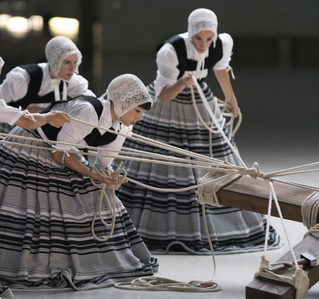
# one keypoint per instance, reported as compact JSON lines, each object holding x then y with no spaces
{"x":74,"y":132}
{"x":15,"y":86}
{"x":167,"y":61}
{"x":9,"y":114}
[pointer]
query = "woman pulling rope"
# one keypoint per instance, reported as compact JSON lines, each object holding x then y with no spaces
{"x":48,"y":202}
{"x":174,"y":221}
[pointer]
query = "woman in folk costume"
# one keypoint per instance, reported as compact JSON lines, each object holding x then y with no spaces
{"x":173,"y":221}
{"x":48,"y":201}
{"x":24,"y":119}
{"x":34,"y":86}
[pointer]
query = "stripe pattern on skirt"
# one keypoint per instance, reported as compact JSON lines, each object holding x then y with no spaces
{"x":173,"y":221}
{"x":46,"y":212}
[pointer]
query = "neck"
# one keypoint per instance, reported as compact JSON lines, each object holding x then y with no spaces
{"x":52,"y":75}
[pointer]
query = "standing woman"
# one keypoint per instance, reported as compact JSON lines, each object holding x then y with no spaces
{"x":48,"y":200}
{"x":173,"y":221}
{"x":34,"y":86}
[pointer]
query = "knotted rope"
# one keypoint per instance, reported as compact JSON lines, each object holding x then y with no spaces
{"x":296,"y":277}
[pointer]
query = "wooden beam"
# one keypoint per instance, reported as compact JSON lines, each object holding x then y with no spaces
{"x":251,"y":194}
{"x":263,"y":288}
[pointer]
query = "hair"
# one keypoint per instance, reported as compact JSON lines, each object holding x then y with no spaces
{"x":146,"y":106}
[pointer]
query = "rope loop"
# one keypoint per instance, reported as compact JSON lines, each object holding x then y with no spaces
{"x":117,"y":177}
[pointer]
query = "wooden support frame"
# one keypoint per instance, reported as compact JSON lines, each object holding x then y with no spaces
{"x":251,"y":194}
{"x":263,"y":288}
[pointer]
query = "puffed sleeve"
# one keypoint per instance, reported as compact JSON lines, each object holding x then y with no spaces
{"x":78,"y":85}
{"x":167,"y":71}
{"x":227,"y":52}
{"x":15,"y":86}
{"x":74,"y":132}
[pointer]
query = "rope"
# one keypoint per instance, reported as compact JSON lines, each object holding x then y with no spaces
{"x":164,"y":284}
{"x":214,"y":120}
{"x":116,"y":176}
{"x":219,"y":174}
{"x":310,"y":210}
{"x":297,"y":277}
{"x":224,"y":107}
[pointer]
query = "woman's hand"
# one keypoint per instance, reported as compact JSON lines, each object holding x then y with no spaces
{"x":58,"y":118}
{"x":231,"y":105}
{"x":169,"y":92}
{"x":188,"y":80}
{"x":116,"y":179}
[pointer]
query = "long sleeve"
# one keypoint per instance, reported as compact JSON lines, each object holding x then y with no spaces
{"x":15,"y":85}
{"x":9,"y":114}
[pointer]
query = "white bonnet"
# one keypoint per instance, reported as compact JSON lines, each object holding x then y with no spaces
{"x":126,"y":92}
{"x":58,"y":49}
{"x":202,"y":19}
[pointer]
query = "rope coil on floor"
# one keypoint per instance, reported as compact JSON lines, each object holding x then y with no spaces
{"x":164,"y":284}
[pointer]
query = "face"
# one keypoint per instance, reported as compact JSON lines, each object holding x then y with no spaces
{"x":133,"y":116}
{"x":68,"y":67}
{"x":202,"y":40}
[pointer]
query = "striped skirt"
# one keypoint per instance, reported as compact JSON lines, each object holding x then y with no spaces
{"x":46,"y":213}
{"x":169,"y":221}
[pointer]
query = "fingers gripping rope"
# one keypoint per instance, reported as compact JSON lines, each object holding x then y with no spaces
{"x":117,"y":177}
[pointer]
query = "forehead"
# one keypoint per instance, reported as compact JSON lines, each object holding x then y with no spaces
{"x":205,"y":34}
{"x":72,"y":57}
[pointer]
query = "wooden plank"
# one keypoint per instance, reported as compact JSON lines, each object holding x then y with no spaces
{"x":251,"y":194}
{"x":263,"y":288}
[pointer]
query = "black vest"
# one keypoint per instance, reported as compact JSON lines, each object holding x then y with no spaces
{"x":36,"y":74}
{"x":184,"y":64}
{"x":94,"y":138}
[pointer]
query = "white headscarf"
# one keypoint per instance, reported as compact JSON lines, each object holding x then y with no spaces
{"x":126,"y":92}
{"x":59,"y":48}
{"x":202,"y":19}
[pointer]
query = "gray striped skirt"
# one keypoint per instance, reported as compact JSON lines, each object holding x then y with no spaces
{"x":46,"y":212}
{"x":173,"y":221}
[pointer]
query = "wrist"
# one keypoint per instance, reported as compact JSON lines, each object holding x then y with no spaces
{"x":183,"y":82}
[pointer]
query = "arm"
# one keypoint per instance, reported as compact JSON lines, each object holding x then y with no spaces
{"x":76,"y":165}
{"x":169,"y":92}
{"x":54,"y":118}
{"x":224,"y":82}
